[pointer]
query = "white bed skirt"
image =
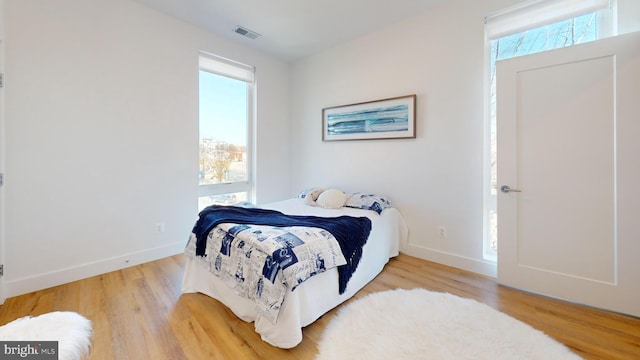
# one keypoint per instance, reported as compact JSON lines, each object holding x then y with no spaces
{"x":317,"y":295}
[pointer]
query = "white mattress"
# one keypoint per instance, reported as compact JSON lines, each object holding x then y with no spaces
{"x":309,"y":300}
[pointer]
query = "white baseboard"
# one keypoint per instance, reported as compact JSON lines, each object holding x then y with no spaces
{"x":484,"y":267}
{"x":67,"y":275}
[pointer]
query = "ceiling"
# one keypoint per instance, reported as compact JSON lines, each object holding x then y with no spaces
{"x":292,"y":29}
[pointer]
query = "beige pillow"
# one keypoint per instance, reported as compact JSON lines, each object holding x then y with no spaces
{"x":311,"y":197}
{"x":332,"y":199}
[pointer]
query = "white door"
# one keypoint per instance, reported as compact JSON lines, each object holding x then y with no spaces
{"x":568,"y":127}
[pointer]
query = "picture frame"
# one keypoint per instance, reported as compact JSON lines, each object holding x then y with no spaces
{"x":391,"y":118}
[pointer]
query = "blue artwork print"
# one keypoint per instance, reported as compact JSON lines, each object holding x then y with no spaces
{"x":239,"y":273}
{"x":225,"y":247}
{"x":285,"y":257}
{"x":259,"y":288}
{"x":218,"y":263}
{"x":270,"y":269}
{"x":320,"y":263}
{"x":320,"y":268}
{"x":234,"y":230}
{"x":259,"y":236}
{"x":289,"y":240}
{"x":392,"y":118}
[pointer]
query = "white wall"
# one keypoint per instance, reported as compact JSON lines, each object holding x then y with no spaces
{"x":628,"y":16}
{"x":436,"y":179}
{"x":101,"y":136}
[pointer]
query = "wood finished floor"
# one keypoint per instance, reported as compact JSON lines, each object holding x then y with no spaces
{"x":139,"y":313}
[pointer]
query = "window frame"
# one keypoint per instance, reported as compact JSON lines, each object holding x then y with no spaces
{"x":225,"y":67}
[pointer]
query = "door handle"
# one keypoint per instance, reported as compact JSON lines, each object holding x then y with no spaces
{"x":505,"y":189}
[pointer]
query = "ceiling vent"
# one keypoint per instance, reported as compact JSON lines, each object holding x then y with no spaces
{"x":246,"y":32}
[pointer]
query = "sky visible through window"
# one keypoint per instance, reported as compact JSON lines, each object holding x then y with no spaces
{"x":561,"y":34}
{"x":223,"y":130}
{"x":223,"y":109}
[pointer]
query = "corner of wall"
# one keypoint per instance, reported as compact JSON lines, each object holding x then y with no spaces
{"x":482,"y":267}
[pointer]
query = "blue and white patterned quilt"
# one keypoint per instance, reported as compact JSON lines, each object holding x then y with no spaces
{"x":260,"y":262}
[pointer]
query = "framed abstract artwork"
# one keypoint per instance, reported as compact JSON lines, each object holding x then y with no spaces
{"x":392,"y":118}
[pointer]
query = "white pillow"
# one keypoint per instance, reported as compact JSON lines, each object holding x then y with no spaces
{"x":332,"y":199}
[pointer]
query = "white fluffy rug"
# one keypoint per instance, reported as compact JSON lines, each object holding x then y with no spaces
{"x":420,"y":324}
{"x":70,"y":329}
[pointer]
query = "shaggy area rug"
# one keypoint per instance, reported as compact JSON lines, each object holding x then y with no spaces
{"x":70,"y":329}
{"x":420,"y":324}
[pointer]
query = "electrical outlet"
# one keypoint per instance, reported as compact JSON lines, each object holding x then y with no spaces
{"x":442,"y":232}
{"x":160,"y":227}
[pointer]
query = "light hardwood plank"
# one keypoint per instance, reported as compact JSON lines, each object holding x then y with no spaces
{"x":139,"y":313}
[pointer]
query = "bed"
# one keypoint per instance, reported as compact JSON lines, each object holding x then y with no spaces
{"x":306,"y":301}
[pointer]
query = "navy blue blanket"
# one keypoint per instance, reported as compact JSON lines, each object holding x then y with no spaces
{"x":351,"y":232}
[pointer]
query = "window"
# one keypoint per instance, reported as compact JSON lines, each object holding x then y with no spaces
{"x":226,"y":91}
{"x":532,"y":27}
